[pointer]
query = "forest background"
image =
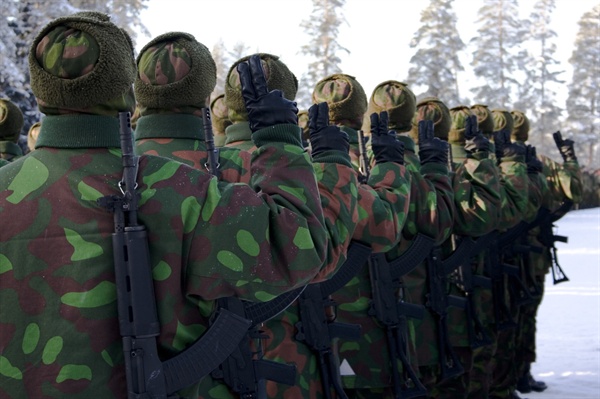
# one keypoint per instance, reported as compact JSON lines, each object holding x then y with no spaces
{"x":538,"y":56}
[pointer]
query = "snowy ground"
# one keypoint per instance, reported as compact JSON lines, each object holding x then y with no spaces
{"x":568,"y":337}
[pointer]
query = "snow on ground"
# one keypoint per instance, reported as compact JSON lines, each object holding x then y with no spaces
{"x":568,"y":327}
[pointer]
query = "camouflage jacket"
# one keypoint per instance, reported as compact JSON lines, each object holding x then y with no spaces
{"x":239,"y":136}
{"x":382,"y":205}
{"x":181,"y":137}
{"x":207,"y":240}
{"x":365,"y":363}
{"x":3,"y":162}
{"x":10,"y":151}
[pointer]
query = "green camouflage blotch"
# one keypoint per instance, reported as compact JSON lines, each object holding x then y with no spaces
{"x":263,"y":296}
{"x":220,"y":391}
{"x":33,"y":175}
{"x":74,"y":372}
{"x":296,"y":192}
{"x":117,"y":153}
{"x":7,"y":369}
{"x":294,"y":149}
{"x":31,"y":337}
{"x":5,"y":264}
{"x":82,"y":249}
{"x":240,"y":283}
{"x":354,"y":190}
{"x":247,"y":243}
{"x":164,"y":173}
{"x":190,"y":211}
{"x":52,"y":350}
{"x":88,"y":193}
{"x":107,"y":358}
{"x":319,"y":173}
{"x":186,"y":334}
{"x":349,"y":346}
{"x":213,"y":196}
{"x":431,"y":200}
{"x":360,"y":304}
{"x":230,"y":261}
{"x":303,"y":383}
{"x":162,"y":271}
{"x":302,"y":239}
{"x":102,"y":294}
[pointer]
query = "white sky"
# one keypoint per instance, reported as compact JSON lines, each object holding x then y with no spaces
{"x":378,"y":32}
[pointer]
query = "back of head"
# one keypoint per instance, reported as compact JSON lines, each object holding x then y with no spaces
{"x":459,"y":117}
{"x":346,"y":99}
{"x":399,"y":102}
{"x":82,"y":63}
{"x":502,"y":120}
{"x":219,"y":118}
{"x":11,"y":121}
{"x":485,"y":121}
{"x":278,"y":77}
{"x":433,"y":109}
{"x":176,"y":74}
{"x":520,"y":131}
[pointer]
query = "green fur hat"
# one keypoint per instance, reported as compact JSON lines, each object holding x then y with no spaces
{"x":502,"y":120}
{"x":485,"y":121}
{"x":219,"y":116}
{"x":278,"y":76}
{"x":175,"y":72}
{"x":432,"y":108}
{"x":11,"y":121}
{"x":520,"y":130}
{"x":346,"y":99}
{"x":399,"y":102}
{"x":459,"y":117}
{"x":82,"y":63}
{"x":303,"y":123}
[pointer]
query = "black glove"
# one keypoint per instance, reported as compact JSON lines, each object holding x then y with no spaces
{"x":565,"y":147}
{"x":475,"y":141}
{"x":505,"y":148}
{"x":264,"y":108}
{"x":534,"y":165}
{"x":324,"y":137}
{"x":431,"y":149}
{"x":386,"y":147}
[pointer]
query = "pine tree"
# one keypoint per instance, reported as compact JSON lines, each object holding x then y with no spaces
{"x":583,"y":102}
{"x":537,"y":93}
{"x":495,"y":60}
{"x":436,"y":62}
{"x":322,"y":27}
{"x":219,"y":54}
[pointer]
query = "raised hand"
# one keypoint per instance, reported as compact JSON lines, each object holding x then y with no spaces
{"x":265,"y":108}
{"x":565,"y":147}
{"x":323,"y":136}
{"x":431,"y":148}
{"x":534,"y":165}
{"x":386,"y":147}
{"x":475,"y":141}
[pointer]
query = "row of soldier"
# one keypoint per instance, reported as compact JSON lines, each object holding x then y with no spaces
{"x":426,"y":244}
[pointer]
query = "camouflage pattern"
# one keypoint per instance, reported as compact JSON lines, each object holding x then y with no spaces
{"x":181,"y":137}
{"x":381,"y":208}
{"x":59,"y":331}
{"x":68,"y":73}
{"x":346,"y":99}
{"x":397,"y":100}
{"x":3,"y":162}
{"x":433,"y":109}
{"x":219,"y":118}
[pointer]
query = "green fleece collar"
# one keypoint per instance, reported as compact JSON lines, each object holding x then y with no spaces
{"x":79,"y":131}
{"x":352,"y":134}
{"x":8,"y":147}
{"x":176,"y":126}
{"x":239,"y":131}
{"x":459,"y":154}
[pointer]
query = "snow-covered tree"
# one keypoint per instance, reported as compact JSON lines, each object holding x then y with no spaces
{"x":219,"y":54}
{"x":239,"y":50}
{"x":583,"y":102}
{"x":436,"y":63}
{"x":537,"y":93}
{"x":497,"y":45}
{"x":322,"y":28}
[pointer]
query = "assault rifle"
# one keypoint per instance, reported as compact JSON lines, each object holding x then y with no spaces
{"x":147,"y":376}
{"x":317,"y":331}
{"x":364,"y":158}
{"x":390,"y":310}
{"x":212,"y":164}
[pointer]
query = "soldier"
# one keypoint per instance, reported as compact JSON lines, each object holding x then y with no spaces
{"x":207,"y":239}
{"x":560,"y":184}
{"x":220,"y":119}
{"x":367,"y":368}
{"x":11,"y":123}
{"x":176,"y":75}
